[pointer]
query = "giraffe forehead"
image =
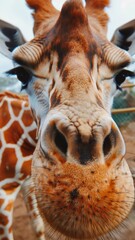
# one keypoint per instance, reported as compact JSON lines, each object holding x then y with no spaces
{"x":74,"y":31}
{"x":70,"y":35}
{"x":58,"y":47}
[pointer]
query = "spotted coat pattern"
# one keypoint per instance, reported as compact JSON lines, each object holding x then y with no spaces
{"x":17,"y":143}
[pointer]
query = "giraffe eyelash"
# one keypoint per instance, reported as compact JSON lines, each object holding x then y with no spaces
{"x":23,"y":75}
{"x":121,"y":76}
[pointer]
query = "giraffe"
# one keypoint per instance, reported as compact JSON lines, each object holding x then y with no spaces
{"x":17,"y":143}
{"x":82,"y":183}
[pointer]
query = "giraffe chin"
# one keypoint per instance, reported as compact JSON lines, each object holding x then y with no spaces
{"x":82,"y":202}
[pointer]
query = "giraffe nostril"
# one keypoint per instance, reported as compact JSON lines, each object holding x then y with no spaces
{"x":108,"y":143}
{"x":60,"y":141}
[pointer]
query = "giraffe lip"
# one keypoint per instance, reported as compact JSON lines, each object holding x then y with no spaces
{"x":72,"y":193}
{"x":61,"y":208}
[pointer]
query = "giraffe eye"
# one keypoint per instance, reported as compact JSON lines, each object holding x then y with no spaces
{"x":23,"y":75}
{"x":121,"y":77}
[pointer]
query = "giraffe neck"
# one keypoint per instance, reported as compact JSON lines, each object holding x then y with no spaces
{"x":17,"y":143}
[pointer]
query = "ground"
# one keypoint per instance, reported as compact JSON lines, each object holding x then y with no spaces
{"x":22,"y":227}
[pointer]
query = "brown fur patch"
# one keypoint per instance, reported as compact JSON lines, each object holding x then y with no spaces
{"x":4,"y":115}
{"x":13,"y":133}
{"x":5,"y":238}
{"x":3,"y":219}
{"x":1,"y":231}
{"x":8,"y":163}
{"x":26,"y":148}
{"x":17,"y":107}
{"x":10,"y":229}
{"x":33,"y":134}
{"x":39,"y":234}
{"x":1,"y":201}
{"x":27,"y":118}
{"x":30,"y":202}
{"x":26,"y":168}
{"x":10,"y":187}
{"x":9,"y":207}
{"x":13,"y":96}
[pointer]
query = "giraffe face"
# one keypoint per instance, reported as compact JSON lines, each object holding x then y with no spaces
{"x":79,"y":171}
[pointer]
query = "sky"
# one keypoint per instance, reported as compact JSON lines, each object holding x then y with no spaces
{"x":17,"y":13}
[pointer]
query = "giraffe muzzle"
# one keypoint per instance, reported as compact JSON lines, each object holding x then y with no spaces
{"x":81,"y":183}
{"x":82,"y":142}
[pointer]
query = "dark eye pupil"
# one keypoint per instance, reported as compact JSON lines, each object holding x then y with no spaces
{"x":24,"y":76}
{"x":120,"y":78}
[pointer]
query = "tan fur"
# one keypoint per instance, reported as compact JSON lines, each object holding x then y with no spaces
{"x":43,"y":9}
{"x":96,"y":9}
{"x":79,"y":171}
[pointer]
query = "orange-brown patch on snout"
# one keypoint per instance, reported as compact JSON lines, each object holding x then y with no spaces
{"x":77,"y":201}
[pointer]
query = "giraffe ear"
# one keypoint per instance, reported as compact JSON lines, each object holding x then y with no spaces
{"x":10,"y":38}
{"x":124,"y":37}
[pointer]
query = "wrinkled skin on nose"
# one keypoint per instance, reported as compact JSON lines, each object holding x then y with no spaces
{"x":81,"y":199}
